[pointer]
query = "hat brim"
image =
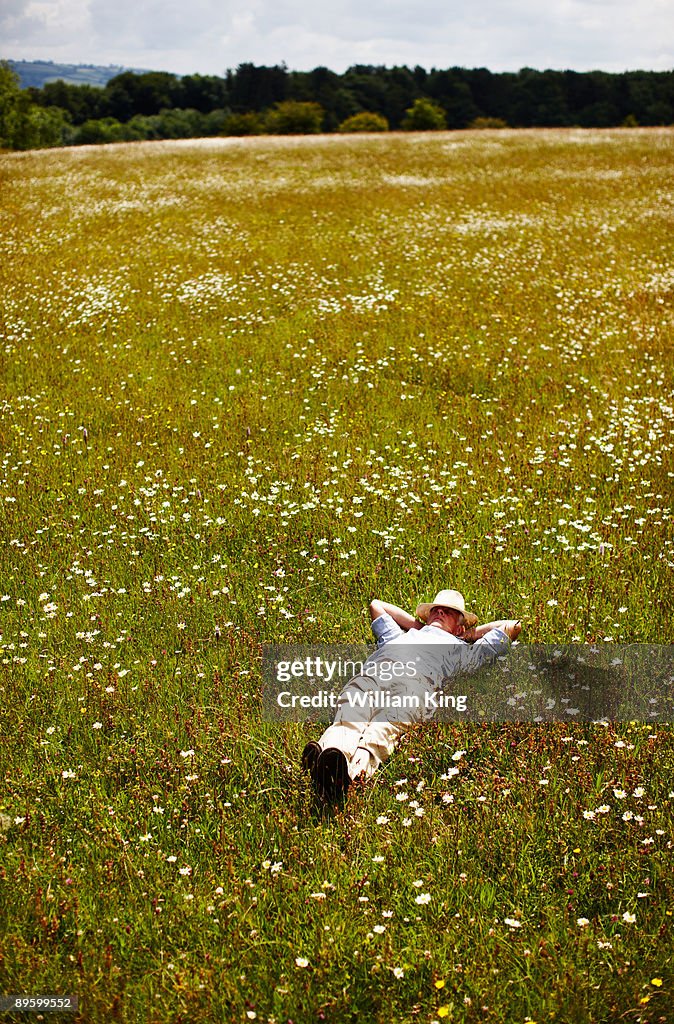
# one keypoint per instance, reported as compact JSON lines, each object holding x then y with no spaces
{"x":423,"y":610}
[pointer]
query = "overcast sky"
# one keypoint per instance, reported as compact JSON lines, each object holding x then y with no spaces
{"x":209,"y":36}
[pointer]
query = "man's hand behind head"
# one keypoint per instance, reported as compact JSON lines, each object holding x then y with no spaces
{"x":513,"y":628}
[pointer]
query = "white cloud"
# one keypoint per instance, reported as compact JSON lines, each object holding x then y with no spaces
{"x":210,"y":35}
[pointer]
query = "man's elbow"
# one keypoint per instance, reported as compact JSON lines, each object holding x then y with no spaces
{"x":376,"y":609}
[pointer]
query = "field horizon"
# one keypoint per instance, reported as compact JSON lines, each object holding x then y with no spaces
{"x":248,"y":141}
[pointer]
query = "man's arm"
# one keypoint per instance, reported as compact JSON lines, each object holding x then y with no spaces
{"x":511,"y":627}
{"x":399,"y":615}
{"x":493,"y":642}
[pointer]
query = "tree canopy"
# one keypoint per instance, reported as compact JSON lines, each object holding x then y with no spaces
{"x":252,"y":99}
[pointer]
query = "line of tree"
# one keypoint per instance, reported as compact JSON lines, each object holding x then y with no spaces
{"x":257,"y":99}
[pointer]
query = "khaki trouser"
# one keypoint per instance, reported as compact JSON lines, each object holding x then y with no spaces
{"x":367,"y":735}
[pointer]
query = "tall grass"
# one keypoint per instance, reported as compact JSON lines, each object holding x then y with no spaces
{"x":249,"y":385}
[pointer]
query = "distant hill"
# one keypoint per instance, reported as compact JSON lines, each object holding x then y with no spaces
{"x":37,"y":72}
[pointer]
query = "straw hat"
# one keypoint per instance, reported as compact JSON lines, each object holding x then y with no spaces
{"x":451,"y":599}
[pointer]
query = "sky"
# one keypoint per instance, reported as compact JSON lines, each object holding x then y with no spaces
{"x":209,"y":36}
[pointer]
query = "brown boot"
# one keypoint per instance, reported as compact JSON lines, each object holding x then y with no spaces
{"x":332,"y":774}
{"x":310,"y":756}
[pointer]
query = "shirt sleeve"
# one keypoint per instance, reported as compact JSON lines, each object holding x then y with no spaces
{"x":385,"y":628}
{"x":494,"y":644}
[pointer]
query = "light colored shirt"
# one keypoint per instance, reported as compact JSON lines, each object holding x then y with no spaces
{"x":437,"y":654}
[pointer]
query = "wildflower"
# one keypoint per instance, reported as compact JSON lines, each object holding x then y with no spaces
{"x":423,"y":899}
{"x":97,"y":725}
{"x":657,"y":982}
{"x":629,"y":918}
{"x":440,"y":983}
{"x":379,"y":929}
{"x":301,"y":961}
{"x":398,"y":972}
{"x":387,"y":913}
{"x":619,"y":794}
{"x":382,"y":819}
{"x":512,"y":922}
{"x":185,"y":871}
{"x":443,"y":1011}
{"x":582,"y":922}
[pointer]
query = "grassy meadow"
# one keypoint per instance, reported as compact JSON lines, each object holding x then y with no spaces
{"x":248,"y":385}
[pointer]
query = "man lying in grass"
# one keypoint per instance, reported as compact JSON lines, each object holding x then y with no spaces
{"x":415,"y":655}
